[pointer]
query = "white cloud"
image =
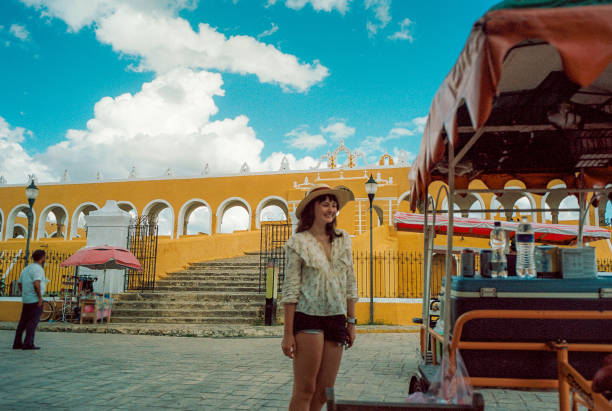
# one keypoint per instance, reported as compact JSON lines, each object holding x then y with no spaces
{"x":404,"y":31}
{"x":420,"y":123}
{"x":303,"y":140}
{"x":15,"y":163}
{"x":400,"y":131}
{"x":152,"y":31}
{"x":269,"y":32}
{"x":165,"y":125}
{"x":375,"y":146}
{"x":318,"y":5}
{"x":273,"y":213}
{"x":20,"y":32}
{"x":382,"y":14}
{"x":339,"y":130}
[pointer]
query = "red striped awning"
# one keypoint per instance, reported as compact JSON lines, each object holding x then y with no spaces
{"x":475,"y":227}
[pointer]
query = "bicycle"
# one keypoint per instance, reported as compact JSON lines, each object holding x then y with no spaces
{"x":53,"y":309}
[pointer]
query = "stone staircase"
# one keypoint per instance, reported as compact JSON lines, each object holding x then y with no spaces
{"x":215,"y":292}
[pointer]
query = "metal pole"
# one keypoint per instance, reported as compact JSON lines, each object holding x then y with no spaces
{"x":30,"y":215}
{"x":449,"y":245}
{"x":371,"y":263}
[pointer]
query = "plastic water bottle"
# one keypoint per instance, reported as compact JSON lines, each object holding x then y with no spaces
{"x":525,"y":247}
{"x":498,"y":246}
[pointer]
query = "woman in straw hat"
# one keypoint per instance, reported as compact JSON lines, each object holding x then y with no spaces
{"x":319,"y":295}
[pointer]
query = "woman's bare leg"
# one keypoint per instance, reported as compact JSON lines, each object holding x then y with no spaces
{"x":330,"y":364}
{"x":306,"y":364}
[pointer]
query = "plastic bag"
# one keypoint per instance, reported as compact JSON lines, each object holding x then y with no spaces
{"x":450,"y":385}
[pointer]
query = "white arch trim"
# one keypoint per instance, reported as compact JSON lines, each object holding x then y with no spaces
{"x":482,"y":205}
{"x":181,"y":215}
{"x":10,"y":220}
{"x":263,"y":203}
{"x":404,"y":195}
{"x":119,"y":203}
{"x":147,"y":209}
{"x":74,"y":224}
{"x":2,"y":224}
{"x":43,"y":217}
{"x":24,"y":228}
{"x":223,"y":206}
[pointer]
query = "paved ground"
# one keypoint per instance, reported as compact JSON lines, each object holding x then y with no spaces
{"x":114,"y":371}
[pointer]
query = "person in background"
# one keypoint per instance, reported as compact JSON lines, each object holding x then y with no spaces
{"x":32,"y":286}
{"x":319,"y":293}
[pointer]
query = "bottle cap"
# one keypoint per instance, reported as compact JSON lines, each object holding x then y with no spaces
{"x":497,"y":224}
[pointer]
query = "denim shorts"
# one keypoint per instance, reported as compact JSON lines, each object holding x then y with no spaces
{"x":332,"y":326}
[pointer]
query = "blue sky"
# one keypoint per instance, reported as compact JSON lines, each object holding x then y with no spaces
{"x":299,"y":75}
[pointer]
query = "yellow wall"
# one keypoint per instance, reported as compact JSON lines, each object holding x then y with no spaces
{"x":388,"y":313}
{"x":10,"y":310}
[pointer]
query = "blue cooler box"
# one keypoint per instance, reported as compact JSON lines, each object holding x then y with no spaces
{"x":515,"y":293}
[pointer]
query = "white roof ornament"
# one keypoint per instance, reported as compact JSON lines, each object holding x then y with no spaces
{"x":32,"y":177}
{"x":206,"y":170}
{"x":169,"y":172}
{"x":98,"y":176}
{"x":284,"y":165}
{"x":65,"y":177}
{"x":2,"y":180}
{"x":402,"y":158}
{"x":132,"y":173}
{"x":244,"y":170}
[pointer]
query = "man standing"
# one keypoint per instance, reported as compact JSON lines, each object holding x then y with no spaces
{"x":32,"y":286}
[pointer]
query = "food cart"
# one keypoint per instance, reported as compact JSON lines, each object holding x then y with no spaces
{"x":529,"y":100}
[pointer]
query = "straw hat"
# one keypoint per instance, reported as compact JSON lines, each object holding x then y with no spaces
{"x":342,"y":194}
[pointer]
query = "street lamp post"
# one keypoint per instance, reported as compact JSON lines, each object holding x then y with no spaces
{"x":371,"y":185}
{"x":31,"y":194}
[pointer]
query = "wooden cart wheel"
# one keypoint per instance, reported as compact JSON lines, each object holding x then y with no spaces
{"x":47,"y":311}
{"x":416,"y":384}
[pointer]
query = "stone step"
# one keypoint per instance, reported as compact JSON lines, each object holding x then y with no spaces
{"x":225,"y":265}
{"x":187,"y":305}
{"x":199,"y":274}
{"x":223,"y":278}
{"x":122,"y":312}
{"x":230,"y":284}
{"x":245,"y":288}
{"x":192,"y":296}
{"x":183,"y":320}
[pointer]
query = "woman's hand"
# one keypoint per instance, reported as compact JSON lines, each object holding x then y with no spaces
{"x":288,"y":345}
{"x":351,"y":334}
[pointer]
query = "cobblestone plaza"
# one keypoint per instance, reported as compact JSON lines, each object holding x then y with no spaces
{"x":107,"y":371}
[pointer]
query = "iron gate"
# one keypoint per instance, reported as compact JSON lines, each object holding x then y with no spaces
{"x":142,"y":242}
{"x":274,"y":235}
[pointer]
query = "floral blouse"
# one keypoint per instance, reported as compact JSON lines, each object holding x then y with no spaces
{"x":318,"y":286}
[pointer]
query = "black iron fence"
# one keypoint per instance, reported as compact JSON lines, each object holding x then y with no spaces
{"x":274,"y":235}
{"x":12,"y":262}
{"x":142,"y":242}
{"x":397,"y":274}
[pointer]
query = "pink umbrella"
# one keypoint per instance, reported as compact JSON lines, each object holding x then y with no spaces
{"x":104,"y":257}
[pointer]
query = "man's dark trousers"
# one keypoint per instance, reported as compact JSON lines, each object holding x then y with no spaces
{"x":30,"y":316}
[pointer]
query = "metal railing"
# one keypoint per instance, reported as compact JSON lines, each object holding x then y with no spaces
{"x":604,"y":265}
{"x":397,"y":274}
{"x":274,"y":235}
{"x":142,"y":242}
{"x":12,"y":262}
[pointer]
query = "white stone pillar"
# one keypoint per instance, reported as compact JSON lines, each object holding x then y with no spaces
{"x":108,"y":226}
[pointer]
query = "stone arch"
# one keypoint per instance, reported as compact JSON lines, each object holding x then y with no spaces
{"x":270,"y":201}
{"x":61,"y":218}
{"x":128,"y":207}
{"x":229,"y":203}
{"x":185,"y":212}
{"x":154,"y":208}
{"x":380,"y":214}
{"x":19,"y":230}
{"x":405,"y":196}
{"x":473,"y":212}
{"x":84,"y":208}
{"x":10,"y":220}
{"x":532,"y":204}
